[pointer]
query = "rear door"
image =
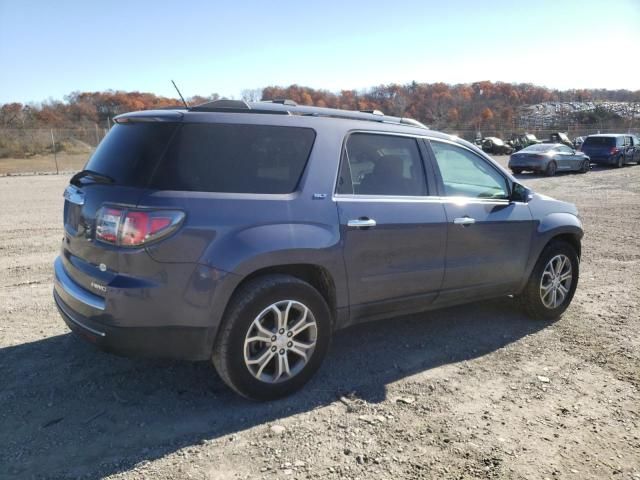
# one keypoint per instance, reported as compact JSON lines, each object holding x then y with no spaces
{"x":394,"y":232}
{"x":636,"y":149}
{"x":628,"y":149}
{"x":488,"y":236}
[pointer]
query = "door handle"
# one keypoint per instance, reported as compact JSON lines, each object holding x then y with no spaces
{"x":361,"y":223}
{"x":464,"y":221}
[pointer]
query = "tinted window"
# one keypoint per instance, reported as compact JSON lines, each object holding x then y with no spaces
{"x":465,"y":174}
{"x":235,"y":159}
{"x":381,"y":165}
{"x":564,"y":149}
{"x":600,"y":142}
{"x":130,"y":152}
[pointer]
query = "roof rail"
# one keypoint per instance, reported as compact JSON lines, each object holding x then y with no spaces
{"x":289,"y":107}
{"x":282,"y":101}
{"x":373,"y":112}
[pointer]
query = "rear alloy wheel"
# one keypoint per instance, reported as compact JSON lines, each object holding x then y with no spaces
{"x":620,"y":163}
{"x":552,"y":283}
{"x":551,"y":169}
{"x":274,"y":336}
{"x":586,"y":166}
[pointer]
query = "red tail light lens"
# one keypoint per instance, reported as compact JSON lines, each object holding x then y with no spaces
{"x":132,"y":228}
{"x":613,"y":150}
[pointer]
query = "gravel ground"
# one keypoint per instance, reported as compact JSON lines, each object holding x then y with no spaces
{"x":470,"y":392}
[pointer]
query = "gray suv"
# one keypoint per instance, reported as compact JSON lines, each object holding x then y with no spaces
{"x":247,"y":233}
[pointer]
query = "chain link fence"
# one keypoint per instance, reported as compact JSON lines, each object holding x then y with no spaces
{"x":49,"y":150}
{"x":44,"y":150}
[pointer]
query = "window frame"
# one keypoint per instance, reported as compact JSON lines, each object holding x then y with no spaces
{"x":427,"y":171}
{"x":440,"y":181}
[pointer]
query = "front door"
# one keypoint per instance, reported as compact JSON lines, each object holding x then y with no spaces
{"x":488,"y":236}
{"x":394,"y":232}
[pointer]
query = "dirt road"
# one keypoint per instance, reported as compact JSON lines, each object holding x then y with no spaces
{"x":470,"y":392}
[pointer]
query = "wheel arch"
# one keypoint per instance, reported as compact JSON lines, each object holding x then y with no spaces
{"x":570,"y":233}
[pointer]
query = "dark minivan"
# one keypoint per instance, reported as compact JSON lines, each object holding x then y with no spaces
{"x":247,"y":234}
{"x":612,"y":149}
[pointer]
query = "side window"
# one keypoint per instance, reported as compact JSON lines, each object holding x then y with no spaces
{"x":627,"y":141}
{"x":565,"y":149}
{"x":465,"y":174}
{"x":225,"y":158}
{"x":375,"y":164}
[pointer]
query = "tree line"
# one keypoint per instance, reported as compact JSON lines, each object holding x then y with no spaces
{"x":438,"y":105}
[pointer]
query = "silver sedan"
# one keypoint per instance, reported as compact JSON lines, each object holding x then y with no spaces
{"x":549,"y":158}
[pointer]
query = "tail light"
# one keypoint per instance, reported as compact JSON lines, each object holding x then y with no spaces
{"x":613,"y":150}
{"x":133,"y":228}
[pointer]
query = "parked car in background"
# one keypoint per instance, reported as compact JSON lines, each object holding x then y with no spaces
{"x":518,"y":142}
{"x":559,"y":137}
{"x":549,"y":158}
{"x":247,"y":233}
{"x":496,"y":146}
{"x":616,"y":149}
{"x":577,"y":142}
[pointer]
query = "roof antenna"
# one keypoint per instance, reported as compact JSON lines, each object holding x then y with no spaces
{"x":186,"y":105}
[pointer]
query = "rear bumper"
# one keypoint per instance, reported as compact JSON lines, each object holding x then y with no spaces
{"x":525,"y":165}
{"x":602,"y":160}
{"x":186,"y":343}
{"x":156,"y":321}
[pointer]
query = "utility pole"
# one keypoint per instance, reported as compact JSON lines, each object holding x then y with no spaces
{"x":55,"y":154}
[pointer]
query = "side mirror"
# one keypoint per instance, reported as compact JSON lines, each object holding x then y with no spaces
{"x":519,"y":193}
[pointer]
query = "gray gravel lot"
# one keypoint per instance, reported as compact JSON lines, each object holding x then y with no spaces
{"x":470,"y":392}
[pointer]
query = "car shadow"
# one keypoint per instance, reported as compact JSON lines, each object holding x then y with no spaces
{"x":70,"y":410}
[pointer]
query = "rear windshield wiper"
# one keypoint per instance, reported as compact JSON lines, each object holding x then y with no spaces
{"x":95,"y":176}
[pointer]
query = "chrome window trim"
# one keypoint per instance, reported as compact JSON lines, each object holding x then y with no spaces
{"x":414,"y":199}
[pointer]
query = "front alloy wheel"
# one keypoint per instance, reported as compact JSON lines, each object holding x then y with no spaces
{"x":552,"y":283}
{"x":556,"y":281}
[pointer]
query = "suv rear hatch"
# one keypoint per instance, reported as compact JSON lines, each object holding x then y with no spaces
{"x":599,"y":147}
{"x":117,"y":174}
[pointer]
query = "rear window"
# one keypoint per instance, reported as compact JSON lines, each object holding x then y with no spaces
{"x":600,"y":142}
{"x":235,"y":159}
{"x":129,"y":153}
{"x":539,"y":147}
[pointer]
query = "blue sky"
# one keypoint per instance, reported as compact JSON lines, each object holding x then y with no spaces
{"x":49,"y":49}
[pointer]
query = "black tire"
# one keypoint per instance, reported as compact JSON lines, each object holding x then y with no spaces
{"x":551,"y":169}
{"x":586,"y":166}
{"x":530,"y":298}
{"x":516,"y":171}
{"x":246,"y":304}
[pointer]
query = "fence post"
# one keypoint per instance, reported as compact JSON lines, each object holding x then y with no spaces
{"x":97,"y":135}
{"x":55,"y":154}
